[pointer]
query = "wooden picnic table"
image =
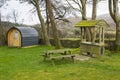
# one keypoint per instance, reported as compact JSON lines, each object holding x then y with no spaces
{"x":61,"y":53}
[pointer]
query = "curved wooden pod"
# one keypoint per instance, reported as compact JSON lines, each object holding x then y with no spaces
{"x":22,"y":36}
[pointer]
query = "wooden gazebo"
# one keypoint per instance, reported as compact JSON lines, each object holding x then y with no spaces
{"x":96,"y":46}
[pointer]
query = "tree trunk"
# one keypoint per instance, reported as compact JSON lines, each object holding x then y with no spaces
{"x":118,"y":37}
{"x":48,"y":23}
{"x":94,"y":12}
{"x":94,"y":9}
{"x":44,"y":31}
{"x":54,"y":29}
{"x":2,"y":41}
{"x":113,"y":10}
{"x":83,"y":2}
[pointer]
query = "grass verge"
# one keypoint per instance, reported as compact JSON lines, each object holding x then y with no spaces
{"x":27,"y":64}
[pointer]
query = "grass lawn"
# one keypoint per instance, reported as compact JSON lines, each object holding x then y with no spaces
{"x":26,"y":64}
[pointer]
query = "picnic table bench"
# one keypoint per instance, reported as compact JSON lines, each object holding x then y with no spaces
{"x":58,"y":53}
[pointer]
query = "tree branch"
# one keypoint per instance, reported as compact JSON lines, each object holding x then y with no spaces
{"x":33,"y":2}
{"x":115,"y":8}
{"x":110,"y":5}
{"x":73,"y":7}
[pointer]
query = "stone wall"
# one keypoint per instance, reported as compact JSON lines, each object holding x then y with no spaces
{"x":75,"y":43}
{"x":65,"y":43}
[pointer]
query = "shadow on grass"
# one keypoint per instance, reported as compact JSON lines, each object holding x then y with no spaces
{"x":57,"y":62}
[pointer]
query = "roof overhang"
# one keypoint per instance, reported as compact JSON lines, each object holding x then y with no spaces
{"x":92,"y":23}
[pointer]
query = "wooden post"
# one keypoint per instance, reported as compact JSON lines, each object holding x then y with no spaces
{"x":81,"y":34}
{"x":53,"y":62}
{"x":94,"y":36}
{"x":84,"y":34}
{"x":99,"y":35}
{"x":103,"y":34}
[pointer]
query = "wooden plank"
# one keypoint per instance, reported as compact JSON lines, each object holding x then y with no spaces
{"x":62,"y":57}
{"x":58,"y":51}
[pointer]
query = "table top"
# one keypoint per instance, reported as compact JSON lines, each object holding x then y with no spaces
{"x":57,"y":51}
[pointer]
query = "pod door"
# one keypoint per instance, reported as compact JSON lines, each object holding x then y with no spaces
{"x":14,"y":38}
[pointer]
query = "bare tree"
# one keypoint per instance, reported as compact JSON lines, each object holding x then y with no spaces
{"x":75,"y":2}
{"x":60,"y":10}
{"x":82,"y":9}
{"x":15,"y":16}
{"x":44,"y":31}
{"x":114,"y":13}
{"x":52,"y":21}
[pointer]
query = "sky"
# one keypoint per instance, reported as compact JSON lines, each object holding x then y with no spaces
{"x":25,"y":15}
{"x":102,"y":8}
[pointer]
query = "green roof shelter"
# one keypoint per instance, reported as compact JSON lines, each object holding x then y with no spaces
{"x":98,"y":28}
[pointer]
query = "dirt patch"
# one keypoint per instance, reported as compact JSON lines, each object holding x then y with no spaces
{"x":82,"y":58}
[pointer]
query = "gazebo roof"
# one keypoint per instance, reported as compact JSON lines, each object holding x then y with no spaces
{"x":92,"y":23}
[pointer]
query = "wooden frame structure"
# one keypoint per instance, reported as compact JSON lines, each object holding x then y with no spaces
{"x":58,"y":53}
{"x":98,"y":29}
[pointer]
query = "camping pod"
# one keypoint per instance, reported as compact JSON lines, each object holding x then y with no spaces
{"x":22,"y":37}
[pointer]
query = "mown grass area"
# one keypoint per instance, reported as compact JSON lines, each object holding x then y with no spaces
{"x":27,"y":64}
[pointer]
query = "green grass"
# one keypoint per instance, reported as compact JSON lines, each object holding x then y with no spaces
{"x":27,"y":64}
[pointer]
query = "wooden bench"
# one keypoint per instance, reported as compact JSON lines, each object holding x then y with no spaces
{"x":61,"y":53}
{"x":62,"y":57}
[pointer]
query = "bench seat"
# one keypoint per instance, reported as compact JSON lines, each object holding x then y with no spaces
{"x":58,"y":53}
